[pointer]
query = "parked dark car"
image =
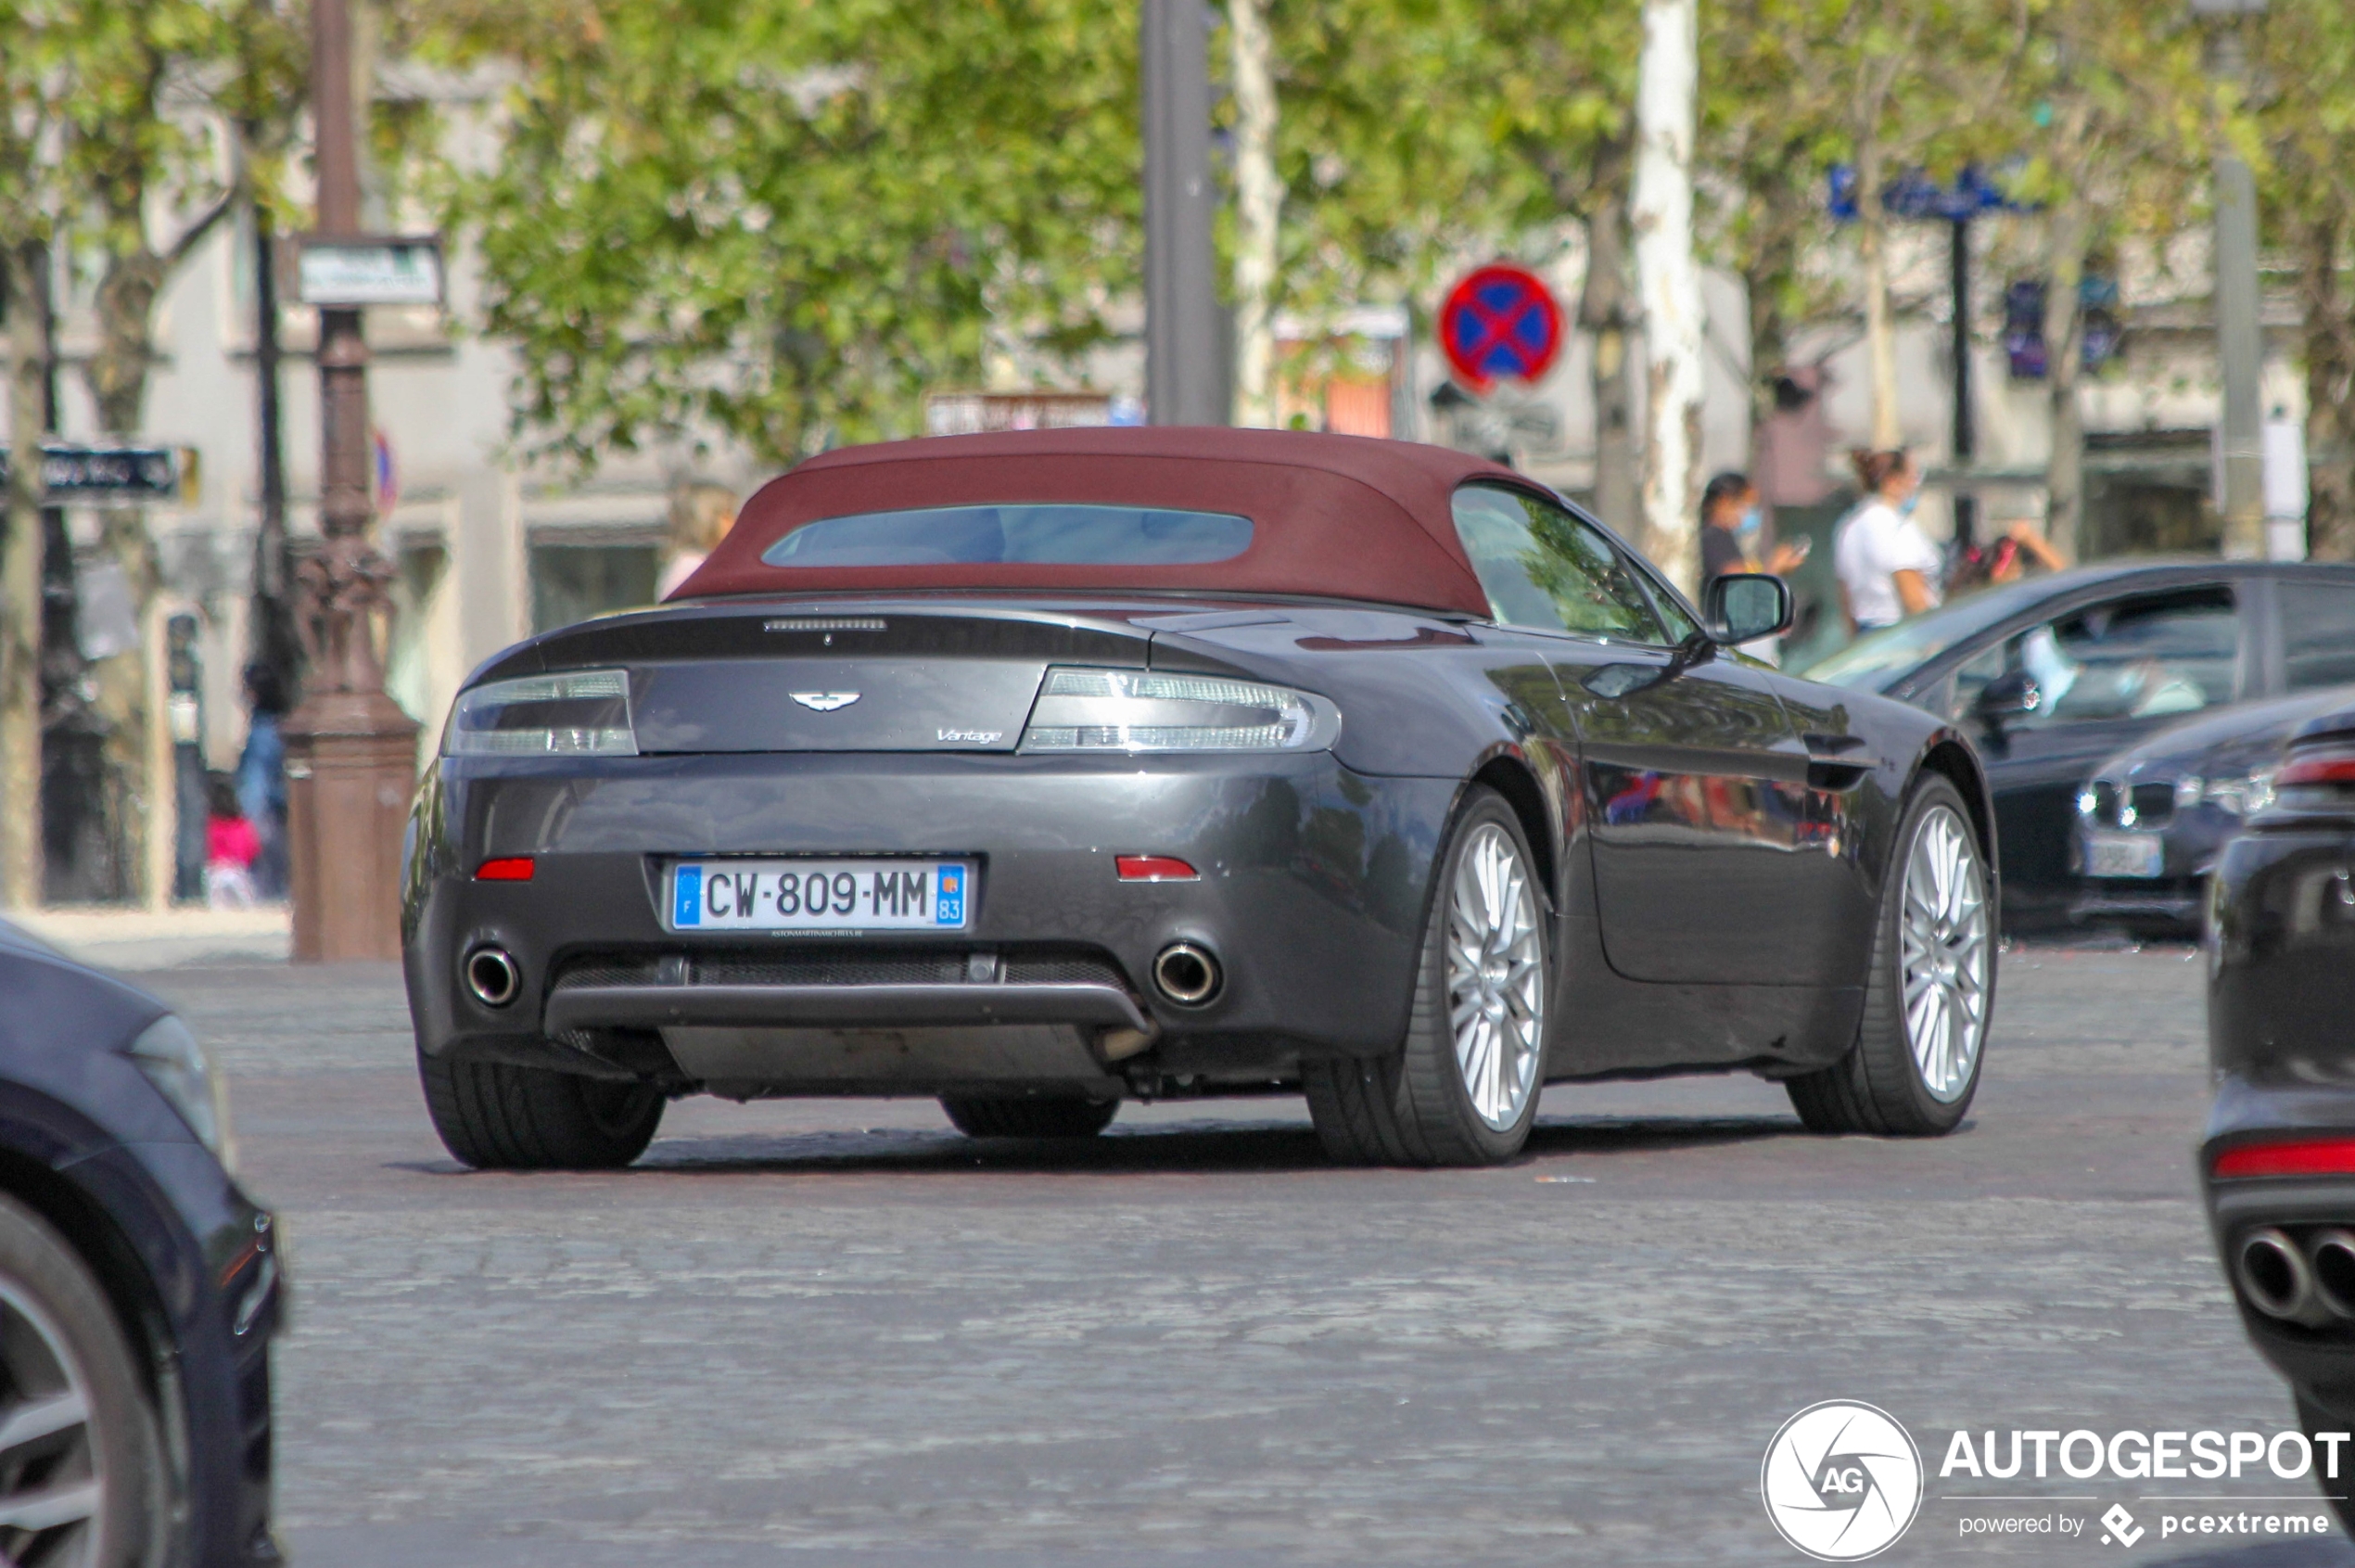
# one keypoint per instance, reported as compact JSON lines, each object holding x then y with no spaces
{"x":2052,"y":675}
{"x":139,"y":1287}
{"x":2152,"y":818}
{"x":1037,"y":771}
{"x":2278,"y":1164}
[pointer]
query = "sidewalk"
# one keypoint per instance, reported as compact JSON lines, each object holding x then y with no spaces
{"x":122,"y":939}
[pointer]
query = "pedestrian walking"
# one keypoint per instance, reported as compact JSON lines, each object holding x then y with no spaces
{"x":232,"y":846}
{"x":2007,"y":558}
{"x":262,"y":779}
{"x":1888,"y":568}
{"x":1733,"y":525}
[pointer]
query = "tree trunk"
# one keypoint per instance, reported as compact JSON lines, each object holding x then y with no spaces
{"x":1258,"y":212}
{"x":25,"y":293}
{"x":1603,"y":311}
{"x":2330,"y":401}
{"x":1880,"y":324}
{"x":2065,"y":469}
{"x":1669,"y":276}
{"x":117,"y":374}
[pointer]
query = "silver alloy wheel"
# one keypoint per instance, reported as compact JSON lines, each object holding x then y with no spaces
{"x":51,"y":1483}
{"x":1496,"y":976}
{"x":1942,"y":929}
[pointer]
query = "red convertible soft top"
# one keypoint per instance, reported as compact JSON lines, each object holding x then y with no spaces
{"x":1336,"y":516}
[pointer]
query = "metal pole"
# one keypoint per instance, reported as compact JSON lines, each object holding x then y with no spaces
{"x":270,"y":639}
{"x":2240,"y":341}
{"x":1965,"y":425}
{"x":1182,"y":319}
{"x":350,"y":751}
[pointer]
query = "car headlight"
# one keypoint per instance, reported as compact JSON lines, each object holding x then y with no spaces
{"x":579,"y":713}
{"x":2245,"y":796}
{"x":2187,"y":791}
{"x":176,"y":1063}
{"x":1144,"y":711}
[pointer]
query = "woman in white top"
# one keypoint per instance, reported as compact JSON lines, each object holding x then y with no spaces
{"x":1888,"y":568}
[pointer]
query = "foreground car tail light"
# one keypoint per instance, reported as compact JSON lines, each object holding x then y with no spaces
{"x":1155,"y":868}
{"x":1135,"y":711}
{"x":579,"y":713}
{"x":2309,"y":1156}
{"x":2328,"y":769}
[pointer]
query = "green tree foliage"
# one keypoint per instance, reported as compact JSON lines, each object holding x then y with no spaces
{"x":2304,"y":103}
{"x":785,"y":219}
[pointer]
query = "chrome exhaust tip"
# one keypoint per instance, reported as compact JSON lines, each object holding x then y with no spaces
{"x":1185,"y":974}
{"x":2332,"y":1253}
{"x":2275,"y":1277}
{"x":492,"y":976}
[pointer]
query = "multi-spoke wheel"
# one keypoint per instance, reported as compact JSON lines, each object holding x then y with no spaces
{"x":1496,"y":976}
{"x":81,"y":1478}
{"x":1943,"y":941}
{"x":1463,"y":1088}
{"x":1931,"y":988}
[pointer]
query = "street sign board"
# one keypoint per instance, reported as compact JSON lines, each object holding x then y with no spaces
{"x":75,"y":471}
{"x":1915,"y":195}
{"x":1500,"y":324}
{"x":348,"y":273}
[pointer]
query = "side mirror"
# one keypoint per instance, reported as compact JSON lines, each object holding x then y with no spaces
{"x":1743,"y":606}
{"x":2013,"y":694}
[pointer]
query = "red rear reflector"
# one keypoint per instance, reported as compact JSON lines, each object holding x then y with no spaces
{"x":2322,"y":1156}
{"x":1155,"y":868}
{"x":2340,"y":770}
{"x":508,"y":868}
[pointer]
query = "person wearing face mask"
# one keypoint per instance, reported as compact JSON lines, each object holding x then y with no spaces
{"x":1732,"y":524}
{"x":1888,"y":568}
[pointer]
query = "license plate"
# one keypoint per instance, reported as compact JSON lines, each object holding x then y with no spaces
{"x":2122,"y":854}
{"x":878,"y":895}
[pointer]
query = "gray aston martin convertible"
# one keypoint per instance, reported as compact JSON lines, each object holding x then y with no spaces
{"x":1041,"y":771}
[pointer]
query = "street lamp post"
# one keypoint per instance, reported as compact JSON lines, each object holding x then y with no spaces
{"x":1184,"y":349}
{"x":2240,"y":342}
{"x":350,"y":751}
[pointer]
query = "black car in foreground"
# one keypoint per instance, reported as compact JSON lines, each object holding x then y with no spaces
{"x":1038,"y":771}
{"x":139,"y":1287}
{"x":2152,"y":818}
{"x":2278,"y":1162}
{"x":2052,"y":675}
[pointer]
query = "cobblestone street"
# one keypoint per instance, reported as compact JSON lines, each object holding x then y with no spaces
{"x":843,"y":1328}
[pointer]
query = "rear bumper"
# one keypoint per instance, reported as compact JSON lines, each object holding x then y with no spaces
{"x":1311,"y":896}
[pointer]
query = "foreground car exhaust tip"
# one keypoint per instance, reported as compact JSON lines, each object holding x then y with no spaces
{"x":492,"y":976}
{"x":2275,"y":1277}
{"x":1186,"y":975}
{"x":2333,"y":1262}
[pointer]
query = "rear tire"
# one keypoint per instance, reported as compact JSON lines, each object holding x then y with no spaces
{"x":95,"y":1456}
{"x":1882,"y":1086}
{"x":1417,"y":1106}
{"x":495,"y":1117}
{"x":1072,"y":1116}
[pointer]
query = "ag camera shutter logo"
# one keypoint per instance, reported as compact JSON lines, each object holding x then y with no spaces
{"x":1841,"y":1481}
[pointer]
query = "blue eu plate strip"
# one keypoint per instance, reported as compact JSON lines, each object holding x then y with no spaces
{"x":949,"y":906}
{"x":687,"y":897}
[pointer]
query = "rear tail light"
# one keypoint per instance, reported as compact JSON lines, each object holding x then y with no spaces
{"x":2329,"y":769}
{"x":1140,"y":710}
{"x":2308,"y":1156}
{"x":506,"y":868}
{"x":1155,"y":868}
{"x":579,"y":713}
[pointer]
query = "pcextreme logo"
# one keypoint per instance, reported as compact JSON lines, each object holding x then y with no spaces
{"x":1842,"y":1481}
